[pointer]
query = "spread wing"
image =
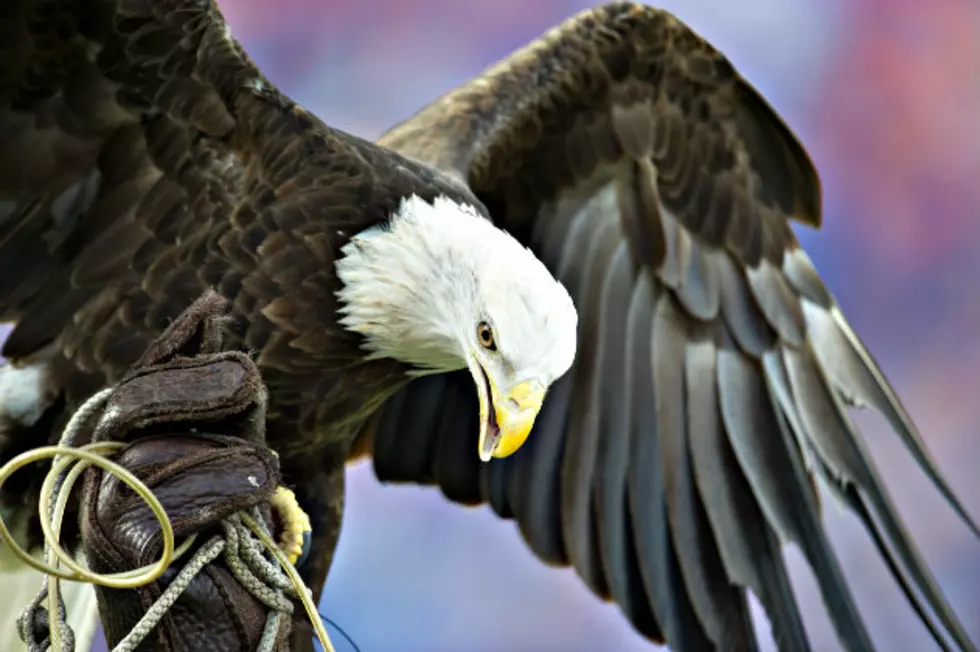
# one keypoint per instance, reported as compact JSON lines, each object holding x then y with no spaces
{"x":120,"y":169}
{"x":681,"y":452}
{"x":144,"y":159}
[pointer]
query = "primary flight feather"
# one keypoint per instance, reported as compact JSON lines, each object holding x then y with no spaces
{"x":636,"y":336}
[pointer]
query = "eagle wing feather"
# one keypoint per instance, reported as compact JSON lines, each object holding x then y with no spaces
{"x":681,"y":451}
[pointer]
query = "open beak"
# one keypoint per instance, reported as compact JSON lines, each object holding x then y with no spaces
{"x":506,"y":418}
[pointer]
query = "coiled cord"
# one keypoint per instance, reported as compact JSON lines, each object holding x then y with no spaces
{"x":54,"y":499}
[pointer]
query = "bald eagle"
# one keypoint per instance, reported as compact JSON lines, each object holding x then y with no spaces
{"x":568,"y":288}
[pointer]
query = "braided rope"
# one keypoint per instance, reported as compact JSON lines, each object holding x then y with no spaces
{"x":244,"y":542}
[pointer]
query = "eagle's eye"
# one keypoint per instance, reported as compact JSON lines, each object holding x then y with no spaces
{"x":485,"y":335}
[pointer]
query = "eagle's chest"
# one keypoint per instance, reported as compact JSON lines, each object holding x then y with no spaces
{"x":308,"y":413}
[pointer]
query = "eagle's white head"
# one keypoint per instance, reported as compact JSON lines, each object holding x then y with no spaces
{"x":441,"y":288}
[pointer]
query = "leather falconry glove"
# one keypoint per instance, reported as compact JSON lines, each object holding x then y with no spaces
{"x":193,"y":419}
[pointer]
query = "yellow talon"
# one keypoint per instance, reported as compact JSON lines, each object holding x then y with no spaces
{"x":296,"y":529}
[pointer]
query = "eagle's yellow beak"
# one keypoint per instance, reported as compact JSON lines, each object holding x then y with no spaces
{"x":506,"y":419}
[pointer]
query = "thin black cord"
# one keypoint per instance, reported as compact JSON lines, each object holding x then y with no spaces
{"x":339,"y":629}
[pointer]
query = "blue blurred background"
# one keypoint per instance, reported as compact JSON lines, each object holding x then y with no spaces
{"x":885,"y":94}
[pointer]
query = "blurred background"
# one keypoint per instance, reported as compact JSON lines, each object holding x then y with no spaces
{"x":885,"y":94}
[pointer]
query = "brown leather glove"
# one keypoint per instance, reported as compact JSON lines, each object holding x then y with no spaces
{"x":194,"y":421}
{"x":200,"y":480}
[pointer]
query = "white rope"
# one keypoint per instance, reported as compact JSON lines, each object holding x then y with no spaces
{"x":158,"y":609}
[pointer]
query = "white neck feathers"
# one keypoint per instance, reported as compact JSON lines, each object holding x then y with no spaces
{"x":408,"y":283}
{"x":418,"y":286}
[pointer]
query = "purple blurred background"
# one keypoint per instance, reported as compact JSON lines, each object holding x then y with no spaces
{"x":885,"y":95}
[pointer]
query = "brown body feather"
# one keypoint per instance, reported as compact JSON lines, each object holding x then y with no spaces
{"x":145,"y":159}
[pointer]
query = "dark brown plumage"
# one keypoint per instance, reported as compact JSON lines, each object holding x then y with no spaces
{"x":146,"y":159}
{"x":135,"y":177}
